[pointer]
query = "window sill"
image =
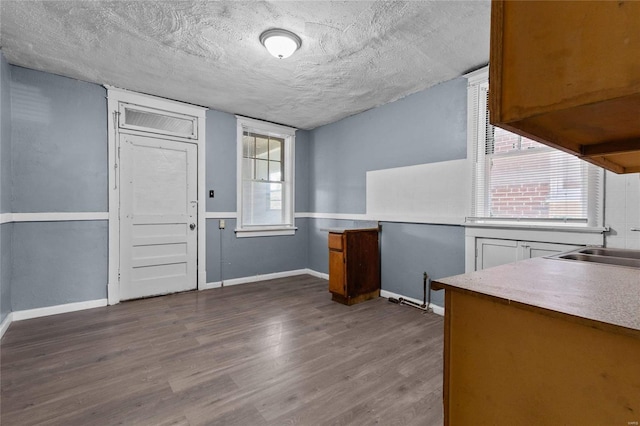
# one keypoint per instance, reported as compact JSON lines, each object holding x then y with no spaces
{"x":549,"y":233}
{"x":539,"y":226}
{"x":265,"y":232}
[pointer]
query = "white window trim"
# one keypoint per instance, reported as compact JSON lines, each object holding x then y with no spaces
{"x":475,"y":79}
{"x":271,"y":129}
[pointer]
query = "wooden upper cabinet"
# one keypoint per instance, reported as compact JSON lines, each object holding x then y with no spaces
{"x":567,"y":74}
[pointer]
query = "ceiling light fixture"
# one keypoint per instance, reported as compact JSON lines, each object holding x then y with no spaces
{"x":280,"y":43}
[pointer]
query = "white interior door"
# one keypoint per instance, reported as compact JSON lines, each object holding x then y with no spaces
{"x":158,"y":216}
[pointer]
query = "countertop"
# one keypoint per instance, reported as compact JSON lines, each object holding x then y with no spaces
{"x":602,"y":296}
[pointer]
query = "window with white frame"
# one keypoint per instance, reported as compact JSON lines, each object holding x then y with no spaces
{"x":265,"y":178}
{"x":518,"y":179}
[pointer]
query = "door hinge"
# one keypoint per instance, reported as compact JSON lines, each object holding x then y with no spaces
{"x":116,"y":117}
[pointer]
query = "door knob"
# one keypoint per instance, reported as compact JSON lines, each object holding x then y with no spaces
{"x":192,"y":226}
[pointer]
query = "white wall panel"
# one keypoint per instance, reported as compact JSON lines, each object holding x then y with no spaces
{"x":433,"y":192}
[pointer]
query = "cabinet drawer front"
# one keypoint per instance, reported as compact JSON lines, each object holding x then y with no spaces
{"x":335,"y":241}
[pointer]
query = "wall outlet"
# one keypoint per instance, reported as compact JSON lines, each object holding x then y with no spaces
{"x":211,"y":193}
{"x":222,"y":224}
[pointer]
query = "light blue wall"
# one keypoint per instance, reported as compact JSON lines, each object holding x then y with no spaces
{"x":425,"y":127}
{"x":59,"y":164}
{"x":5,"y":186}
{"x":5,"y":135}
{"x":409,"y":249}
{"x":59,"y":143}
{"x":302,"y":191}
{"x":6,"y":230}
{"x":221,"y":161}
{"x":58,"y":262}
{"x":246,"y":257}
{"x":429,"y":126}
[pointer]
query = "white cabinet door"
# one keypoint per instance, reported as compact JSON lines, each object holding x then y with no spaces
{"x":536,"y":249}
{"x":493,"y":252}
{"x":158,"y":216}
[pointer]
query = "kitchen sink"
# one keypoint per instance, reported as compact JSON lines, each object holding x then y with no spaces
{"x":607,"y":256}
{"x":631,"y":254}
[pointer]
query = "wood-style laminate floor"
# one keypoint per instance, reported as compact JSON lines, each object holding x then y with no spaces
{"x":276,"y":352}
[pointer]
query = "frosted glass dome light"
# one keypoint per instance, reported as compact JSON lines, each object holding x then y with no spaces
{"x":280,"y":43}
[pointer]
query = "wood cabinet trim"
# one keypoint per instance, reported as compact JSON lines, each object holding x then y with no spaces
{"x":495,"y":58}
{"x":551,"y":95}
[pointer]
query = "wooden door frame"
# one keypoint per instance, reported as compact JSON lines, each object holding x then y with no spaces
{"x":114,"y":97}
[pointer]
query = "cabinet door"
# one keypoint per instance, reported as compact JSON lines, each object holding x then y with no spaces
{"x":336,"y":272}
{"x":535,"y":249}
{"x":493,"y":252}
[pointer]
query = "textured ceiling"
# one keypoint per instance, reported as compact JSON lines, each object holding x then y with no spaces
{"x":355,"y":55}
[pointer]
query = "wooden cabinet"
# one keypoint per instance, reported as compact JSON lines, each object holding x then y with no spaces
{"x":566,"y":74}
{"x":542,"y":342}
{"x":354,"y":265}
{"x":507,"y":364}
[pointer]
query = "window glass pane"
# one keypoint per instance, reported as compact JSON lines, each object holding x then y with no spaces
{"x":262,"y":170}
{"x":275,"y":149}
{"x":248,"y":145}
{"x":275,"y":196}
{"x":248,"y":168}
{"x":546,"y":184}
{"x":262,"y":147}
{"x":150,"y":120}
{"x":505,"y":141}
{"x":261,"y":203}
{"x":275,"y":170}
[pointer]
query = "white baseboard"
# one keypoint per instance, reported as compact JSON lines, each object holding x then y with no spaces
{"x":439,"y":310}
{"x":256,"y":278}
{"x":6,"y":323}
{"x":90,"y":304}
{"x":317,"y":274}
{"x":57,"y":309}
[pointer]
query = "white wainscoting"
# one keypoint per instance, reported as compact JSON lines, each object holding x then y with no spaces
{"x":53,"y":217}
